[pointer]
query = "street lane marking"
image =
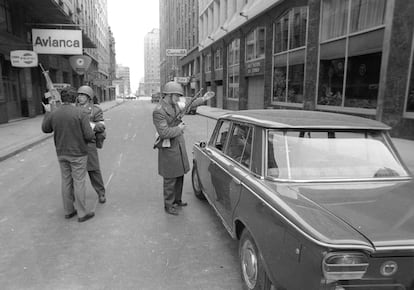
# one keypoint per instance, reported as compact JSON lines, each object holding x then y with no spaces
{"x":109,"y":180}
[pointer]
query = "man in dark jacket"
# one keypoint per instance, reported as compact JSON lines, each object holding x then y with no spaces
{"x":72,"y":131}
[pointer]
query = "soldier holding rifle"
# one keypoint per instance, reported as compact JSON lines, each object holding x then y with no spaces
{"x":172,"y":154}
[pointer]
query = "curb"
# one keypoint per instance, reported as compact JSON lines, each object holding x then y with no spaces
{"x":39,"y":140}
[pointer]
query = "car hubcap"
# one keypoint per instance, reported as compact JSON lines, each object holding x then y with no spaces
{"x":249,"y":264}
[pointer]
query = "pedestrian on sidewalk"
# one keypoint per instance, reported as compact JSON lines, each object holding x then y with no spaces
{"x":96,"y":118}
{"x":72,"y":131}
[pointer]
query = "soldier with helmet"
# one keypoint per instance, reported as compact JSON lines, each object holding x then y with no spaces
{"x":95,"y":113}
{"x":172,"y":154}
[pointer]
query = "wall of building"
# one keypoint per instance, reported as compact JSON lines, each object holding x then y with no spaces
{"x":363,"y":72}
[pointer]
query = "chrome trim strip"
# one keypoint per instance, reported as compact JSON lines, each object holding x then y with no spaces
{"x":393,"y":248}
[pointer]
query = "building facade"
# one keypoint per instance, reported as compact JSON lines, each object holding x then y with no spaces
{"x":347,"y":56}
{"x":123,"y":80}
{"x":152,"y":62}
{"x":22,"y":89}
{"x":179,"y":30}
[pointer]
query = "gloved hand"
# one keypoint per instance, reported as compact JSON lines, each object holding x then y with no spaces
{"x":99,"y":127}
{"x":208,"y":95}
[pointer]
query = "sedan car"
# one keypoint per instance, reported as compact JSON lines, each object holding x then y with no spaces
{"x":317,"y":200}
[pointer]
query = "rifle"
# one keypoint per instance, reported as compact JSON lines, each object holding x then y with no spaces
{"x":187,"y":107}
{"x":52,"y":95}
{"x":178,"y":118}
{"x":208,"y":95}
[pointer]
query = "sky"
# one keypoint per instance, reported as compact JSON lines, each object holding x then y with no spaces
{"x":130,"y":21}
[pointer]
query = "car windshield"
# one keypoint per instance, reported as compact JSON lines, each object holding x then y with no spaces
{"x":327,"y":155}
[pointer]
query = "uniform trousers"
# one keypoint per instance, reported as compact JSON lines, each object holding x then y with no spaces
{"x":97,"y":182}
{"x":173,"y":190}
{"x":73,"y":173}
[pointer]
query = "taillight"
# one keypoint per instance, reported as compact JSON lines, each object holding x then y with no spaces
{"x":344,"y":266}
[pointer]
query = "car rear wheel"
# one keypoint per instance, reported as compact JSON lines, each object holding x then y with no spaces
{"x":253,"y":273}
{"x":195,"y":180}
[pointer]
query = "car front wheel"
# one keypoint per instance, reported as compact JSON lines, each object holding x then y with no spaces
{"x":195,"y":180}
{"x":253,"y":273}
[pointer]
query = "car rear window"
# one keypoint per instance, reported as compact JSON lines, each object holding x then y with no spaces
{"x":321,"y":155}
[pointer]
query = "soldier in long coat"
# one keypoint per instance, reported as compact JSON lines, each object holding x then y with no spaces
{"x":172,"y":154}
{"x":95,"y":113}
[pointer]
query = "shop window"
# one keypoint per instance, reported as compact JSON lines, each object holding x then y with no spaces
{"x":233,"y":69}
{"x":350,"y":61}
{"x":362,"y":81}
{"x":255,"y":44}
{"x":289,"y":56}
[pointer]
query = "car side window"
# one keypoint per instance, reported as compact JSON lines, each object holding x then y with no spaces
{"x":239,"y":147}
{"x":220,"y":138}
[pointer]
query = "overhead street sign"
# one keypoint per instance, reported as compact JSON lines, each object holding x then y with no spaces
{"x":182,"y":80}
{"x":176,"y":52}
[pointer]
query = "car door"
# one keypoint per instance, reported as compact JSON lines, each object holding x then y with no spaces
{"x":222,"y":174}
{"x":228,"y":169}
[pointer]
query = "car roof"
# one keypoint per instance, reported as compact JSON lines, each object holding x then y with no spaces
{"x":303,"y":119}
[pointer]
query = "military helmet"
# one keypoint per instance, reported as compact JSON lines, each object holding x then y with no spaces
{"x":86,"y":90}
{"x":173,"y":88}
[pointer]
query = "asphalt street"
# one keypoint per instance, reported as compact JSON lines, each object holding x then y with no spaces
{"x":131,"y":243}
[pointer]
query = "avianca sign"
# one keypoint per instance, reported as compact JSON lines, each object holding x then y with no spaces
{"x":55,"y":41}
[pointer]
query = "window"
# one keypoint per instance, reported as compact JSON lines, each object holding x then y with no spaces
{"x":240,"y":144}
{"x":330,"y":154}
{"x":289,"y":56}
{"x":350,"y":61}
{"x":233,"y":69}
{"x":409,"y":106}
{"x":219,"y":139}
{"x":218,"y":60}
{"x":5,"y":18}
{"x":207,"y":62}
{"x":255,"y":44}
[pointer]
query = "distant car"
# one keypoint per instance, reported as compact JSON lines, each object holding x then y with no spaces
{"x":131,"y":97}
{"x":317,"y":200}
{"x":155,"y":98}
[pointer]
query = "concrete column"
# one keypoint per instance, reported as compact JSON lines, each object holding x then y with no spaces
{"x":311,"y":68}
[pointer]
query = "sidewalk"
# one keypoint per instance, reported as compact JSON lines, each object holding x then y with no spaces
{"x":20,"y":135}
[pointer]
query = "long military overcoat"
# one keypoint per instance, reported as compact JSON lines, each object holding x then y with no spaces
{"x":173,"y":160}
